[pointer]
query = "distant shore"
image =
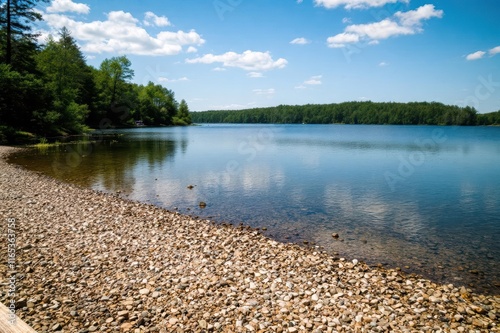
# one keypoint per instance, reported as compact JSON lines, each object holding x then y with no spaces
{"x":87,"y":261}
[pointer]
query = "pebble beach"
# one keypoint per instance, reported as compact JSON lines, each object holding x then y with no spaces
{"x":87,"y":261}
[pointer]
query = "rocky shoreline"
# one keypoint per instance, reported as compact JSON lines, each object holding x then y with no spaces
{"x":89,"y":261}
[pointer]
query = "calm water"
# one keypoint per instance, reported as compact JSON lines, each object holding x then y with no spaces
{"x":423,"y":198}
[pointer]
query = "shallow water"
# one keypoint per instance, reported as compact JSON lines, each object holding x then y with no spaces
{"x":423,"y":198}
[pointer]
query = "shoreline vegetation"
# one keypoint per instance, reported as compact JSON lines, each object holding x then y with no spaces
{"x":49,"y":90}
{"x":90,"y":261}
{"x":368,"y":113}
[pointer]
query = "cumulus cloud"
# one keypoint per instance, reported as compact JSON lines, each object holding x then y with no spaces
{"x":355,"y":4}
{"x":64,"y":6}
{"x":383,"y":64}
{"x":379,"y":30}
{"x":494,"y":50}
{"x":248,"y":60}
{"x":300,"y":41}
{"x":120,"y":33}
{"x":402,"y":23}
{"x":413,"y":18}
{"x":151,"y":19}
{"x":476,"y":55}
{"x":342,"y":39}
{"x":192,"y":49}
{"x":219,"y":69}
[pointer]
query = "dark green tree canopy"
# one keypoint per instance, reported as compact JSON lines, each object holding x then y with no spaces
{"x":414,"y":113}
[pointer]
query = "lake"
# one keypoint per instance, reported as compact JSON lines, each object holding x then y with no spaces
{"x":422,"y":198}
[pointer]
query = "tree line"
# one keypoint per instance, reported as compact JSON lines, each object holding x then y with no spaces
{"x":49,"y":90}
{"x":414,"y":113}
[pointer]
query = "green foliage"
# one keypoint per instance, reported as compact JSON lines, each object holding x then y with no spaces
{"x":9,"y":135}
{"x":157,"y":104}
{"x":176,"y":121}
{"x":50,"y":90}
{"x":66,"y":76}
{"x":6,"y":134}
{"x":492,"y":118}
{"x":64,"y":68}
{"x":414,"y":113}
{"x":115,"y":95}
{"x":183,"y":117}
{"x":20,"y":95}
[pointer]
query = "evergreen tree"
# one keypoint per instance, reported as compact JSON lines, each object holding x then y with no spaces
{"x":66,"y":75}
{"x":17,"y":41}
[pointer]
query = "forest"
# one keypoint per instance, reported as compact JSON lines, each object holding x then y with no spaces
{"x":47,"y":89}
{"x":414,"y":113}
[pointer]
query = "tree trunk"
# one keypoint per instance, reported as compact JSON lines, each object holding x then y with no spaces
{"x":8,"y":51}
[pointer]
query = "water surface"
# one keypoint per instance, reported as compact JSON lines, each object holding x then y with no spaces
{"x":422,"y":198}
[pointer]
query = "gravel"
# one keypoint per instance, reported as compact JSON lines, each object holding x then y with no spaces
{"x":88,"y":261}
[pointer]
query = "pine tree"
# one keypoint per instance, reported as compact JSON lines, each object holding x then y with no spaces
{"x":17,"y":40}
{"x":66,"y":75}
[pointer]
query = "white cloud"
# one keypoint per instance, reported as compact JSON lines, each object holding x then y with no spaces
{"x":475,"y":56}
{"x":480,"y":54}
{"x":192,"y":49}
{"x":300,"y":41}
{"x":494,"y":50}
{"x":299,"y":1}
{"x":356,"y":4}
{"x":255,"y":75}
{"x":63,"y":6}
{"x":402,"y":23}
{"x":379,"y":30}
{"x":165,"y":80}
{"x":248,"y":60}
{"x":342,"y":39}
{"x":414,"y":17}
{"x":314,"y":80}
{"x":120,"y":33}
{"x":151,"y":19}
{"x":219,"y":69}
{"x":383,"y":64}
{"x":269,"y":91}
{"x":346,"y":20}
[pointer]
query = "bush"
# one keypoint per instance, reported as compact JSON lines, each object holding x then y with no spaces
{"x":179,"y":122}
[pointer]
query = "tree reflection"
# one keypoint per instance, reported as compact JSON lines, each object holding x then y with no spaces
{"x":109,"y":164}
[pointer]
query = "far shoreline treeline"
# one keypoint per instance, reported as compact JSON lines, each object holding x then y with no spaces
{"x":367,"y":112}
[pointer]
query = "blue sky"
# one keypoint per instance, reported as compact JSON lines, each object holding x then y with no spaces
{"x":233,"y":54}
